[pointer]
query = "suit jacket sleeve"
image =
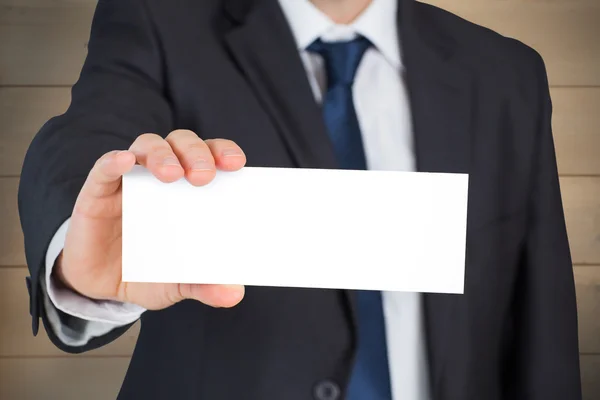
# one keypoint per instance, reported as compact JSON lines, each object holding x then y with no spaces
{"x":118,"y":96}
{"x":76,"y":319}
{"x":545,"y":357}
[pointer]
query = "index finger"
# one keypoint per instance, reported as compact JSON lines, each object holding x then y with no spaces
{"x":156,"y":155}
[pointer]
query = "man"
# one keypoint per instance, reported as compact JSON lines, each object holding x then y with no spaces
{"x":186,"y":87}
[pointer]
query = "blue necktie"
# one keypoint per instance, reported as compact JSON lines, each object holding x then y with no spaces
{"x":370,"y":375}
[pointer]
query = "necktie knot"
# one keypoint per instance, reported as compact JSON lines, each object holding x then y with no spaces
{"x":341,"y":58}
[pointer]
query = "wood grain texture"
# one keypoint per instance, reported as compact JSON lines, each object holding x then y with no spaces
{"x":587,"y":281}
{"x":100,"y":377}
{"x":576,"y":126}
{"x":562,"y":31}
{"x":53,"y":3}
{"x":576,"y":123}
{"x":16,"y":337}
{"x":61,"y":378}
{"x":43,"y":45}
{"x":581,"y":198}
{"x":23,"y":111}
{"x":11,"y":235}
{"x":43,"y":42}
{"x":590,"y":376}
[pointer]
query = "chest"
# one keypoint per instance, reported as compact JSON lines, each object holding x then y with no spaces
{"x":425,"y":126}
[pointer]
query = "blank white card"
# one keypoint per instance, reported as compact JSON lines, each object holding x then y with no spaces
{"x":377,"y":230}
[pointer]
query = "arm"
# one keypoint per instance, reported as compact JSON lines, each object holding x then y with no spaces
{"x":118,"y":97}
{"x":545,"y":358}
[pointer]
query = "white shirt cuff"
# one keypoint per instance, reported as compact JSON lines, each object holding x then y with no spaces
{"x":100,"y":317}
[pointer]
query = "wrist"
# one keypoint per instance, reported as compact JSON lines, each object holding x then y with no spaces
{"x":60,"y":280}
{"x":58,"y":277}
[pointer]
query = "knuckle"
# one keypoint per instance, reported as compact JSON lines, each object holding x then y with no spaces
{"x":106,"y":156}
{"x":179,"y":133}
{"x":177,"y":294}
{"x":198,"y":147}
{"x":145,"y":140}
{"x":160,"y":149}
{"x":161,"y":152}
{"x":147,"y":137}
{"x":222,"y":142}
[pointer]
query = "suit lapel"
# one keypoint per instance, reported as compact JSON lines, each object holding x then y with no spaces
{"x":261,"y":43}
{"x":440,"y":98}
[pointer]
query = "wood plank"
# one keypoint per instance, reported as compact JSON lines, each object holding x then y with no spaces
{"x":11,"y":235}
{"x":23,"y":111}
{"x":581,"y":200}
{"x":16,"y":338}
{"x":563,"y":32}
{"x":61,"y":378}
{"x":576,"y":125}
{"x":43,"y":45}
{"x":587,"y":281}
{"x":590,"y":376}
{"x":100,"y":378}
{"x":44,"y":3}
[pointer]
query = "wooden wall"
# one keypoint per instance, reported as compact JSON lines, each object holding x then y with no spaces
{"x":42,"y":47}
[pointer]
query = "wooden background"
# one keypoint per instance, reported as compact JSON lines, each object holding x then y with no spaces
{"x":42,"y":47}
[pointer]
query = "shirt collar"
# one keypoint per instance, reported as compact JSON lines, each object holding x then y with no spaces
{"x":377,"y":23}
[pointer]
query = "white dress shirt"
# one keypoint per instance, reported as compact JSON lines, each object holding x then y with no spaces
{"x":382,"y":107}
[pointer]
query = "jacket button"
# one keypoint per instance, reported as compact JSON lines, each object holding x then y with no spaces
{"x":327,"y":390}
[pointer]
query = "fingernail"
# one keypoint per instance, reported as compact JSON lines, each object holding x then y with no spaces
{"x":170,"y":161}
{"x":231,"y":152}
{"x":202,"y":165}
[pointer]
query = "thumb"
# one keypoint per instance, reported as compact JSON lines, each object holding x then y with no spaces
{"x":212,"y":295}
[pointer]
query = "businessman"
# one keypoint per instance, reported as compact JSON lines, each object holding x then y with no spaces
{"x":187,"y":87}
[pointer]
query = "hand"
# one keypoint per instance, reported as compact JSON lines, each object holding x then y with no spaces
{"x":90,"y":262}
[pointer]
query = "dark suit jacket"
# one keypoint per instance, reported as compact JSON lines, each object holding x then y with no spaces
{"x":230,"y":69}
